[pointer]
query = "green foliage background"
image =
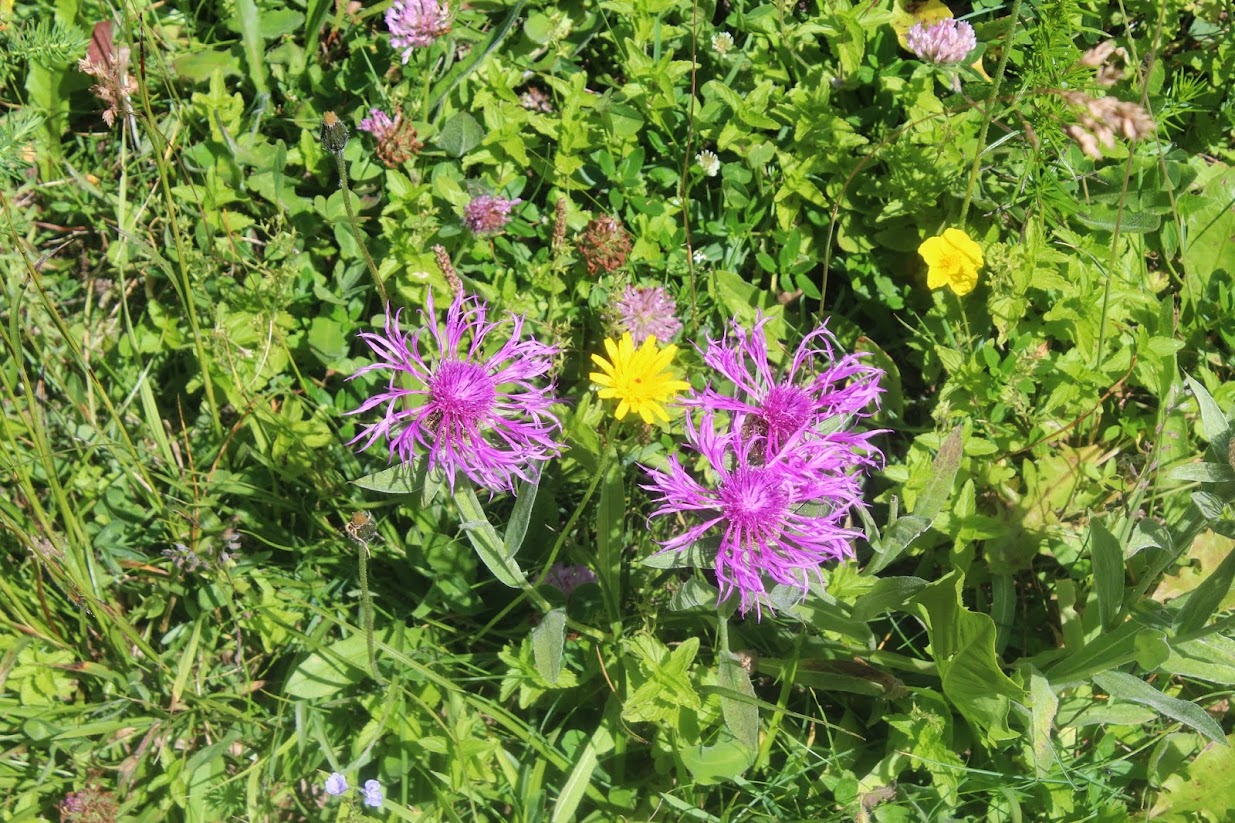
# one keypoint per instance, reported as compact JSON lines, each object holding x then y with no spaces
{"x":1039,"y":625}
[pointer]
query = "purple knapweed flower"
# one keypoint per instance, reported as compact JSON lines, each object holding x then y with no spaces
{"x":415,"y":24}
{"x":812,"y":396}
{"x":778,"y":519}
{"x":487,"y":214}
{"x":568,"y":578}
{"x":378,"y":123}
{"x":945,"y":42}
{"x":471,"y":412}
{"x":336,"y":784}
{"x":373,"y":793}
{"x":648,"y":312}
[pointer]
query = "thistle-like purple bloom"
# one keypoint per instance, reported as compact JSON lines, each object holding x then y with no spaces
{"x":647,"y":312}
{"x":378,"y":123}
{"x":487,"y":214}
{"x":471,"y":412}
{"x":812,"y":396}
{"x":945,"y":42}
{"x":778,"y":520}
{"x":415,"y":24}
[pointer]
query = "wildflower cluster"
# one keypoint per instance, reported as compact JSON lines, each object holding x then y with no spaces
{"x":487,"y":214}
{"x":781,"y":471}
{"x":336,"y":785}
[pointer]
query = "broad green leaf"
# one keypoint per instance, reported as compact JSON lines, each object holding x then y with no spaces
{"x":1214,"y":423}
{"x":726,"y":760}
{"x":1203,"y":791}
{"x":548,"y":641}
{"x":1043,"y":706}
{"x":698,"y":555}
{"x":1202,"y":473}
{"x":249,"y":22}
{"x":1108,"y":571}
{"x":460,"y":134}
{"x":887,"y":594}
{"x":516,"y":527}
{"x":694,"y":593}
{"x":1126,"y":687}
{"x":489,"y":547}
{"x":1205,"y":598}
{"x":1108,"y":649}
{"x":329,"y":670}
{"x":403,"y":478}
{"x":741,"y":716}
{"x":1107,"y":219}
{"x":932,"y":499}
{"x":963,"y":646}
{"x":1210,"y":658}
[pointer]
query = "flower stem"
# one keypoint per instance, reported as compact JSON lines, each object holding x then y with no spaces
{"x":989,"y":114}
{"x":351,"y":219}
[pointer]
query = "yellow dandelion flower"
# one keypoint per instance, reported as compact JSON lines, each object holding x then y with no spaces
{"x":952,"y":260}
{"x":638,"y":378}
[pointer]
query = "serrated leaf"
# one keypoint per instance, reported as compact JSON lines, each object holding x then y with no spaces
{"x":1124,"y":686}
{"x":460,"y":134}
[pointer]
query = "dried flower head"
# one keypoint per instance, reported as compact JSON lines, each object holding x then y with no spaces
{"x":534,"y":98}
{"x":944,"y":43}
{"x":471,"y":412}
{"x":1101,"y":119}
{"x":487,"y":214}
{"x":448,"y":270}
{"x":604,"y":244}
{"x":648,"y":312}
{"x":110,"y":67}
{"x":639,"y":379}
{"x":396,"y":138}
{"x":952,"y":260}
{"x":415,"y":24}
{"x":89,"y":805}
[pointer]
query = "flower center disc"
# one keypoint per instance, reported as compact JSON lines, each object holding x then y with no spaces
{"x":461,"y":393}
{"x":785,"y":410}
{"x":754,"y":499}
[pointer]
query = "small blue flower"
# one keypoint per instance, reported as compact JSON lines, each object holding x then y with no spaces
{"x":373,"y":793}
{"x":336,"y":784}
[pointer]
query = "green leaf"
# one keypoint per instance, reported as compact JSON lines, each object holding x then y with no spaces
{"x":741,"y":716}
{"x":1105,"y":218}
{"x":1203,"y":789}
{"x":1126,"y":687}
{"x":251,"y":39}
{"x":694,"y":594}
{"x":329,"y":670}
{"x":726,"y":760}
{"x":1108,"y":571}
{"x":698,"y":555}
{"x":1202,"y":473}
{"x":886,"y":594}
{"x":601,"y":742}
{"x":548,"y":641}
{"x":460,"y":134}
{"x":516,"y":527}
{"x":932,"y":499}
{"x":1205,"y":598}
{"x":403,"y":478}
{"x":963,"y":646}
{"x":1214,"y":423}
{"x":489,"y":547}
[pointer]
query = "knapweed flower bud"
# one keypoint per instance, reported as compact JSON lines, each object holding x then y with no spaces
{"x":333,"y":134}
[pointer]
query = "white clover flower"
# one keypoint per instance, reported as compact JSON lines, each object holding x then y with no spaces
{"x":709,"y":162}
{"x":722,"y":43}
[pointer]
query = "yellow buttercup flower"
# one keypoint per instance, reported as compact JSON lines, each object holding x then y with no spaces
{"x":953,"y":260}
{"x":638,"y":378}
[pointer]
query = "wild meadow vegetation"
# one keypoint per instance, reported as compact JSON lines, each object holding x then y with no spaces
{"x":622,"y":410}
